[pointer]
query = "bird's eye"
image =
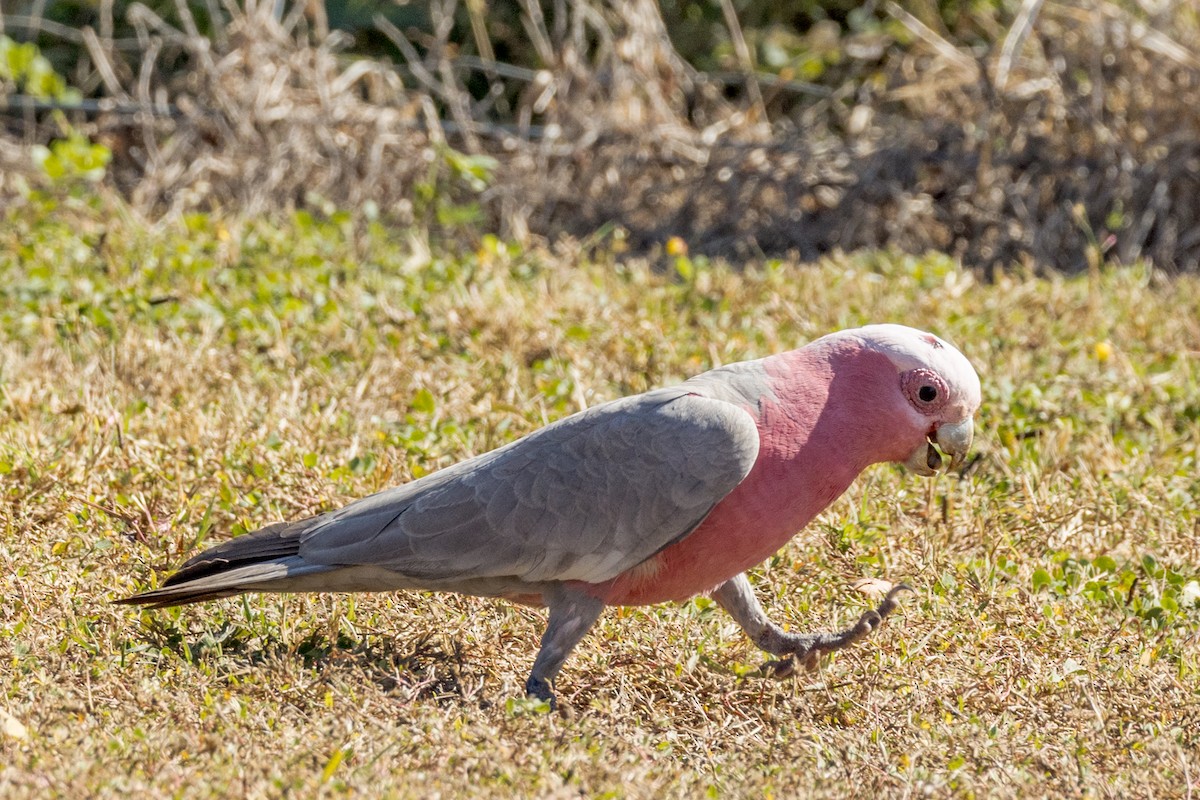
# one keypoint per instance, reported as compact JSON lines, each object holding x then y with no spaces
{"x":924,"y":389}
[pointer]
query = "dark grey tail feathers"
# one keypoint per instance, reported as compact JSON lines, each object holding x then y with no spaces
{"x":227,"y":569}
{"x":278,"y":540}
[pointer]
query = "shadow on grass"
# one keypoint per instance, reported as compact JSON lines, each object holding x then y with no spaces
{"x":428,"y":667}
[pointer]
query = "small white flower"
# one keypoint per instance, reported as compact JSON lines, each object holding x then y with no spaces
{"x":1190,"y":596}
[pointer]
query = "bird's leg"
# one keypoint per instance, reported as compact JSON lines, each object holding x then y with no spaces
{"x":572,"y":614}
{"x":737,"y":597}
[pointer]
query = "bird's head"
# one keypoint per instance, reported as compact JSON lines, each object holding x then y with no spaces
{"x":929,"y":403}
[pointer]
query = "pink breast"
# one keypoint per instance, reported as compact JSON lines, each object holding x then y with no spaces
{"x":775,"y":502}
{"x":808,"y":455}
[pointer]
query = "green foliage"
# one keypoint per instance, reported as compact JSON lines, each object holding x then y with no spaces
{"x":71,"y":159}
{"x":167,"y":386}
{"x":27,"y":70}
{"x":451,"y":174}
{"x":1157,"y":595}
{"x":66,"y":161}
{"x":797,"y":39}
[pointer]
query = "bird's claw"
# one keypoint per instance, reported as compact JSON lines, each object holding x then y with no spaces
{"x":890,"y":603}
{"x":813,"y":646}
{"x":540,"y":689}
{"x":778,"y":669}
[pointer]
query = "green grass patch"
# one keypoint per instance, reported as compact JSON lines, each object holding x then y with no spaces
{"x":165,"y":386}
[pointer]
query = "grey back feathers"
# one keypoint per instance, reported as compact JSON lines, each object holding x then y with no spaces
{"x":584,"y":499}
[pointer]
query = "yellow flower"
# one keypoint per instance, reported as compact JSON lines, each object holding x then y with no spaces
{"x":676,"y":246}
{"x":1102,"y":351}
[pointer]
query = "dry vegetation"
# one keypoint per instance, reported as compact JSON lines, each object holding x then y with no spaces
{"x":165,"y":385}
{"x":184,"y":356}
{"x":1061,"y":134}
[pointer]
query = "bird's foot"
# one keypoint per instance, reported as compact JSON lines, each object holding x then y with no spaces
{"x":806,"y":649}
{"x":540,"y":689}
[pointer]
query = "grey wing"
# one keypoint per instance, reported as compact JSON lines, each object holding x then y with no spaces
{"x":583,"y":499}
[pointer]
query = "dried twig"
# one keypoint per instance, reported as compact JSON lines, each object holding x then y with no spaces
{"x":100,"y":58}
{"x":743,"y":54}
{"x":1014,"y":39}
{"x":66,"y":33}
{"x":931,"y":38}
{"x":87,"y":106}
{"x":619,"y":130}
{"x":535,"y":25}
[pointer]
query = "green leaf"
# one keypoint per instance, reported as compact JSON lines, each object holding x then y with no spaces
{"x":333,"y":763}
{"x":73,"y":158}
{"x":423,"y":402}
{"x":1041,"y":580}
{"x":685,"y":268}
{"x":476,"y":171}
{"x":452,"y":215}
{"x":520,"y":706}
{"x":363,"y":465}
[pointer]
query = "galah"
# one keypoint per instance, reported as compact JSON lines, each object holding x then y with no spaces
{"x":650,"y":498}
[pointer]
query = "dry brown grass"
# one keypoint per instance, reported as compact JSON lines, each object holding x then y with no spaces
{"x":1055,"y":139}
{"x":157,"y":386}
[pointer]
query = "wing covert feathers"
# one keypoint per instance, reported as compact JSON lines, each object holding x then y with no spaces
{"x":585,"y":498}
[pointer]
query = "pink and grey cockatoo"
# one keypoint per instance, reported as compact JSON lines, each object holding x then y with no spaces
{"x":660,"y":496}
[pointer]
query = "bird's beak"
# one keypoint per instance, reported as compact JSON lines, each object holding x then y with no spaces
{"x":953,"y":439}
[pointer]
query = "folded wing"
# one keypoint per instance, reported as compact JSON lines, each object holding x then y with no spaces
{"x":583,"y":499}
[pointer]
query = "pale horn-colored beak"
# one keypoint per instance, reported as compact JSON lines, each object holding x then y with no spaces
{"x":953,"y":439}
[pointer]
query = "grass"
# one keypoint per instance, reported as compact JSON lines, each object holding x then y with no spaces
{"x":166,"y":386}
